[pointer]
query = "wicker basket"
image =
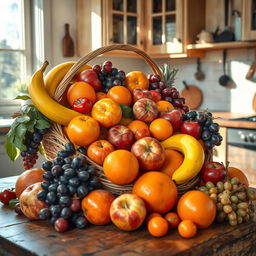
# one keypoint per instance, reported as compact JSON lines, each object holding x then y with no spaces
{"x":55,"y":139}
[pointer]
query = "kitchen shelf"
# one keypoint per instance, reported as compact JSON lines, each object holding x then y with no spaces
{"x":218,"y":46}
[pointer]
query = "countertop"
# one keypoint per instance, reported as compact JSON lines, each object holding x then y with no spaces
{"x":20,"y":236}
{"x":223,"y":119}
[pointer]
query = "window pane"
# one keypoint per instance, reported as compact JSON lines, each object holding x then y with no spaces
{"x":131,"y":30}
{"x":118,"y":28}
{"x":132,"y":6}
{"x":10,"y":76}
{"x":157,"y":6}
{"x":253,"y":27}
{"x":118,"y":5}
{"x":170,"y":5}
{"x":157,"y":30}
{"x":170,"y":28}
{"x":11,"y":36}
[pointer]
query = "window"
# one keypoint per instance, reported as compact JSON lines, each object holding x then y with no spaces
{"x":15,"y":48}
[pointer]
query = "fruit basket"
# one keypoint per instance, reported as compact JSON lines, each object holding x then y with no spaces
{"x":55,"y":139}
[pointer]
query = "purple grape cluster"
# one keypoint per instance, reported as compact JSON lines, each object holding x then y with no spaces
{"x":170,"y":94}
{"x":109,"y":76}
{"x":32,"y":142}
{"x":210,"y":130}
{"x":67,"y":180}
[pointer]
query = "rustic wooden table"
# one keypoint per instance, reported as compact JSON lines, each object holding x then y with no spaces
{"x":20,"y":236}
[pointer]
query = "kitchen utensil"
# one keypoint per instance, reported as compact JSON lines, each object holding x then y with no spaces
{"x":199,"y":75}
{"x":225,"y":80}
{"x":254,"y":102}
{"x":193,"y":95}
{"x":226,"y":35}
{"x":251,"y":72}
{"x":205,"y":37}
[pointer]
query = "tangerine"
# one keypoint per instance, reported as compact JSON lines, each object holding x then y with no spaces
{"x":161,"y":129}
{"x":173,"y":219}
{"x":121,"y":167}
{"x":157,"y":190}
{"x":120,"y":95}
{"x":157,"y":226}
{"x":164,"y":106}
{"x":136,"y":79}
{"x":187,"y":229}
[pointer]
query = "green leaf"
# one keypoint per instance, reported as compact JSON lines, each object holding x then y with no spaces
{"x":127,"y":111}
{"x":42,"y":124}
{"x":10,"y":149}
{"x":19,"y":144}
{"x":22,"y":119}
{"x":23,"y":97}
{"x":41,"y":149}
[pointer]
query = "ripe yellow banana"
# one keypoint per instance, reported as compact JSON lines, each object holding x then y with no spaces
{"x":193,"y":156}
{"x":56,"y":74}
{"x":44,"y":103}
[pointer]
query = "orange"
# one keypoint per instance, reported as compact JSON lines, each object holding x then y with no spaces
{"x":172,"y":162}
{"x":235,"y":172}
{"x":157,"y":190}
{"x":198,"y":207}
{"x":80,"y":90}
{"x":121,"y":167}
{"x":136,"y":79}
{"x":157,"y":226}
{"x":164,"y":106}
{"x":96,"y":206}
{"x":120,"y":95}
{"x":152,"y":215}
{"x":173,"y":219}
{"x":187,"y":229}
{"x":161,"y":129}
{"x":140,"y":129}
{"x":100,"y":95}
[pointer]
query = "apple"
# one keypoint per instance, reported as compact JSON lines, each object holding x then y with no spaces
{"x":214,"y":172}
{"x":121,"y":137}
{"x":174,"y":117}
{"x":192,"y":128}
{"x":145,"y":110}
{"x":139,"y":93}
{"x":156,"y":96}
{"x":128,"y":211}
{"x":29,"y":203}
{"x":90,"y":76}
{"x":149,"y":152}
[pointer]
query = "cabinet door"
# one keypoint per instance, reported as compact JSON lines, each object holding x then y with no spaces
{"x":164,"y":26}
{"x":249,"y":20}
{"x":123,"y":21}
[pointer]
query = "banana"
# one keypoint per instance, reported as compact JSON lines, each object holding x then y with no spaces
{"x":56,"y":74}
{"x":44,"y":103}
{"x":193,"y":156}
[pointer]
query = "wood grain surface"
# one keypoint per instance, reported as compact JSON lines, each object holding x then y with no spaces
{"x":20,"y":236}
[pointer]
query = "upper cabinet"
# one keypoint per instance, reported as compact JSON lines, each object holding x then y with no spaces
{"x":249,"y":20}
{"x":164,"y":27}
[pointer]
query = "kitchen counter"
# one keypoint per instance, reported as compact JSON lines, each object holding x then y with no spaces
{"x":20,"y":236}
{"x":223,"y":119}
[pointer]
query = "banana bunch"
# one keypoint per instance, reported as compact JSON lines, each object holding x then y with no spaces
{"x":42,"y":92}
{"x":193,"y":156}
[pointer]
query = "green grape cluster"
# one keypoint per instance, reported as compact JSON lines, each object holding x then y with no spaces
{"x":233,"y":201}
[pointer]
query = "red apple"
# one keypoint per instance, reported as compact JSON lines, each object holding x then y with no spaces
{"x":214,"y":172}
{"x":156,"y":96}
{"x":128,"y":212}
{"x":149,"y":152}
{"x":29,"y":203}
{"x":139,"y":93}
{"x":174,"y":117}
{"x":145,"y":110}
{"x":192,"y":128}
{"x":90,"y":76}
{"x":121,"y":137}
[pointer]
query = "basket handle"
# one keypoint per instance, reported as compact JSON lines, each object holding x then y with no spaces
{"x":85,"y":59}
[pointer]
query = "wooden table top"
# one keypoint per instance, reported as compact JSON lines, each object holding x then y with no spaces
{"x":20,"y":236}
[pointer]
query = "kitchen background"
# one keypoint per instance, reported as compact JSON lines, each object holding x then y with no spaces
{"x":216,"y":97}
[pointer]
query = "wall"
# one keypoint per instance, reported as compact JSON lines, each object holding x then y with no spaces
{"x":216,"y":97}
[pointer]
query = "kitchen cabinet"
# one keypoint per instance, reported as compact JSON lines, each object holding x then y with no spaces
{"x":249,"y":20}
{"x":162,"y":28}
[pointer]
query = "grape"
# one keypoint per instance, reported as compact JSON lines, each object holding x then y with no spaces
{"x":81,"y":222}
{"x":72,"y":190}
{"x":74,"y":182}
{"x":63,"y":153}
{"x":214,"y":127}
{"x":227,"y":209}
{"x":64,"y":201}
{"x":206,"y":135}
{"x":62,"y":189}
{"x":53,"y":187}
{"x":68,"y":160}
{"x":70,"y":173}
{"x":96,"y":68}
{"x":48,"y":176}
{"x":44,"y":214}
{"x":17,"y":209}
{"x":58,"y":161}
{"x":83,"y":175}
{"x":56,"y":170}
{"x":61,"y":225}
{"x":55,"y":210}
{"x":63,"y":179}
{"x":65,"y":213}
{"x":82,"y":150}
{"x":75,"y":205}
{"x":82,"y":191}
{"x":41,"y":195}
{"x":51,"y":197}
{"x":162,"y":85}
